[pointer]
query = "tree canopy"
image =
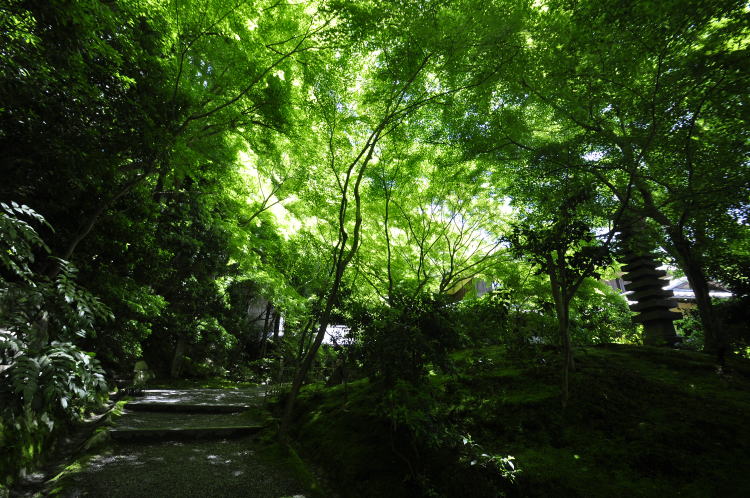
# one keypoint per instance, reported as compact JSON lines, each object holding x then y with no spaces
{"x":210,"y":185}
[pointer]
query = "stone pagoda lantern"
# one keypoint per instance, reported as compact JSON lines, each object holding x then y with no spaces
{"x":645,"y":283}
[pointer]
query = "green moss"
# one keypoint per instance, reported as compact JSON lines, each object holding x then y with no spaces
{"x":338,"y":431}
{"x":99,"y":438}
{"x":57,"y":483}
{"x":285,"y":457}
{"x":641,"y":422}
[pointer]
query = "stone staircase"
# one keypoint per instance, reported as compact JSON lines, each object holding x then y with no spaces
{"x":184,"y":414}
{"x":183,"y":442}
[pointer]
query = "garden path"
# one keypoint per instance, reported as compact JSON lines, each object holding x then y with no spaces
{"x":183,"y":442}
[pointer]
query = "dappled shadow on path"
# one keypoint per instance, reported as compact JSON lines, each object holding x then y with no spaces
{"x":210,"y":466}
{"x":176,"y":420}
{"x":206,"y":468}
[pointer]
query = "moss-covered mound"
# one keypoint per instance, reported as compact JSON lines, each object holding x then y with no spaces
{"x":640,"y":422}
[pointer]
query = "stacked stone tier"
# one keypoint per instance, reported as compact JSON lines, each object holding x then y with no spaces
{"x":652,"y":292}
{"x":652,"y":304}
{"x":644,"y":272}
{"x":638,"y":264}
{"x":657,"y":315}
{"x":645,"y":285}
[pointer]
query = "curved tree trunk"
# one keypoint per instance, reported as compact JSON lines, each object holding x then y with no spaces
{"x":714,"y":339}
{"x":299,"y":378}
{"x":690,"y":263}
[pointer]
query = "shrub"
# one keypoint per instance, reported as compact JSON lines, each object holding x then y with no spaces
{"x":484,"y":321}
{"x":407,"y":339}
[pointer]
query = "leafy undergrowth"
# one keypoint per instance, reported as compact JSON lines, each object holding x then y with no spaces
{"x":641,"y":422}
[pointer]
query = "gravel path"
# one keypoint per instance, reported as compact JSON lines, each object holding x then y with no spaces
{"x":224,"y":468}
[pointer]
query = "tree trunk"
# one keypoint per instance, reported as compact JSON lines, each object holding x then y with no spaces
{"x":264,"y":334}
{"x":714,"y":340}
{"x":303,"y":339}
{"x":562,"y":309}
{"x":691,"y":265}
{"x":564,"y":324}
{"x":301,"y":374}
{"x":178,"y":357}
{"x":389,"y":268}
{"x":299,"y":378}
{"x":276,"y":327}
{"x":340,"y":261}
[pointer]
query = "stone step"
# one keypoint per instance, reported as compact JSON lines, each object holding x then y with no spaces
{"x":156,"y":406}
{"x":176,"y":420}
{"x":162,"y":434}
{"x":237,"y":396}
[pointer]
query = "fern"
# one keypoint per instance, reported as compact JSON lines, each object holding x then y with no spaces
{"x":43,"y":383}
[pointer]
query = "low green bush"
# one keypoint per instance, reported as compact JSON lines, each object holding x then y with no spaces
{"x":406,"y":340}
